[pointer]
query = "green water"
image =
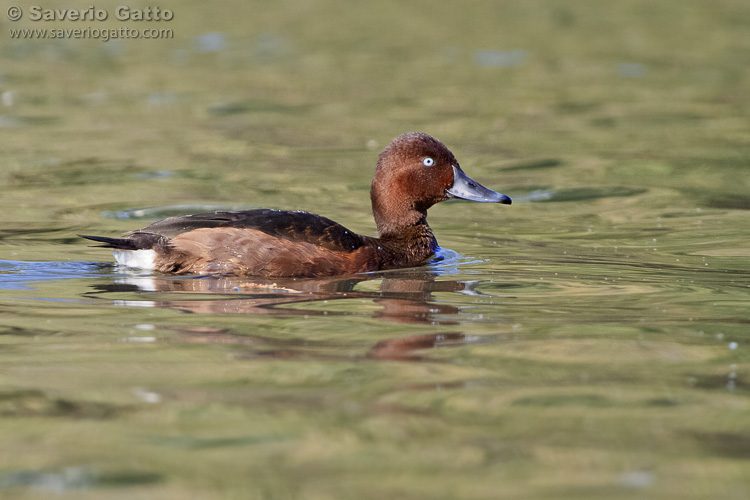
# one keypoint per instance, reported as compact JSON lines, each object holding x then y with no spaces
{"x":589,"y":341}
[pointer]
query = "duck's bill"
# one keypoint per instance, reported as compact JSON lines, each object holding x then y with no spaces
{"x":466,"y":188}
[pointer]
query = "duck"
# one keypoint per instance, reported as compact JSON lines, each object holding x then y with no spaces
{"x":413,"y":173}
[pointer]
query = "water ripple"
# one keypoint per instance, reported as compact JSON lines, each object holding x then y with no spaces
{"x":16,"y":275}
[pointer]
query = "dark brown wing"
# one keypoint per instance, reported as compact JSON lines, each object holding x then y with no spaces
{"x":293,"y":226}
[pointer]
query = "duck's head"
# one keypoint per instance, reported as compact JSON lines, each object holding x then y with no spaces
{"x":414,"y":172}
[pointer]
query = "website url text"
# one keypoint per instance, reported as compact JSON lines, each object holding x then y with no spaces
{"x":104,"y":34}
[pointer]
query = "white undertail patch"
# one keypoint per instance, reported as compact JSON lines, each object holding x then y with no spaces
{"x":142,"y":259}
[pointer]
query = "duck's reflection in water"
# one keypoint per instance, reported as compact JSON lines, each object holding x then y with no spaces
{"x":403,"y":296}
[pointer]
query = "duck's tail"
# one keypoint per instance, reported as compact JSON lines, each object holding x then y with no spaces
{"x":117,"y":243}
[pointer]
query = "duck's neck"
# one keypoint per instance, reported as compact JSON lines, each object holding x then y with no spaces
{"x":408,"y":246}
{"x":406,"y":239}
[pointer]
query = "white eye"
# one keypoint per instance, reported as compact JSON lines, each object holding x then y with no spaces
{"x":428,"y":162}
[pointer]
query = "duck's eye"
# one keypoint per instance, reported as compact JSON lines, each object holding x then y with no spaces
{"x":428,"y":162}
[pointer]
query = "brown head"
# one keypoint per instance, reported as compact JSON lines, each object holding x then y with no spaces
{"x":414,"y":172}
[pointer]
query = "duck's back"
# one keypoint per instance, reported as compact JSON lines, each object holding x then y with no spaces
{"x":260,"y":242}
{"x":289,"y":225}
